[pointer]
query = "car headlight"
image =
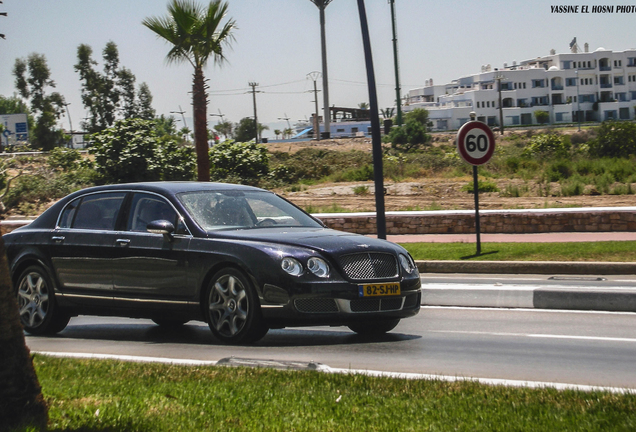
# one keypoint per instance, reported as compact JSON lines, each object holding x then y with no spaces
{"x":407,"y":264}
{"x":292,"y":266}
{"x":318,"y":266}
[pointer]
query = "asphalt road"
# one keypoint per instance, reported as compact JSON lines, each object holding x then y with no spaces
{"x":585,"y":348}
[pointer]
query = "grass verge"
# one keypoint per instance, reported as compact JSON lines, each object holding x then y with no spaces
{"x":609,"y":251}
{"x":98,"y":395}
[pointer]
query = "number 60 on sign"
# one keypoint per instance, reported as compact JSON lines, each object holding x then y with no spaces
{"x":475,"y":143}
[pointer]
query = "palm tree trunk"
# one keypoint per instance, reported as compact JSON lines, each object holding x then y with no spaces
{"x":200,"y":108}
{"x":21,"y":401}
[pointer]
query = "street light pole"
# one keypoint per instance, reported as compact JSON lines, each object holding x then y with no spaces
{"x":322,"y":4}
{"x":398,"y":97}
{"x":376,"y":141}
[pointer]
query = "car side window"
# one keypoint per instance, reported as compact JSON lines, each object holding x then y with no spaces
{"x":146,"y":208}
{"x":98,"y":212}
{"x":66,"y":219}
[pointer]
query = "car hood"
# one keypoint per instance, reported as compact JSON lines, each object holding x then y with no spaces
{"x":325,"y":240}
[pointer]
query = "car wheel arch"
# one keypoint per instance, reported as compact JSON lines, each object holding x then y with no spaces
{"x":25,"y":262}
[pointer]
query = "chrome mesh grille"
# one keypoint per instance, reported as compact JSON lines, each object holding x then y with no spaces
{"x":376,"y":304}
{"x":369,"y":266}
{"x":316,"y":305}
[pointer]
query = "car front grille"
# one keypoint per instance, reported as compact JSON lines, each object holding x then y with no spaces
{"x":369,"y":266}
{"x":316,"y":305}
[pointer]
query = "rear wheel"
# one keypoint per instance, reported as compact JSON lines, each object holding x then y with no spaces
{"x":370,"y":328}
{"x":39,"y":313}
{"x":232,"y":309}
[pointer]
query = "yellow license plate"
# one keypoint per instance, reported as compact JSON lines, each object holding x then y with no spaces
{"x":374,"y":290}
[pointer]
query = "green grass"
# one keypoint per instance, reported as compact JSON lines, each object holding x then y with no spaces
{"x":93,"y":395}
{"x":612,"y":251}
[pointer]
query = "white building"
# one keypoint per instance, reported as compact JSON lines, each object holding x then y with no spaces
{"x":600,"y":85}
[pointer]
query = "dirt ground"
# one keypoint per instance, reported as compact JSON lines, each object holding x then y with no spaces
{"x":430,"y":193}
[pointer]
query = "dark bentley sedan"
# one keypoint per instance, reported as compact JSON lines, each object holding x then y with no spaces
{"x":240,"y":258}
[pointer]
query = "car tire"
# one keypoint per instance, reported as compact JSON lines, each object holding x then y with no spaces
{"x":232,"y":309}
{"x":39,"y":313}
{"x":372,"y":328}
{"x":169,"y":323}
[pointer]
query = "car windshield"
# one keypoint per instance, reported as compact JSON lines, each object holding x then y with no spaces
{"x":215,"y":210}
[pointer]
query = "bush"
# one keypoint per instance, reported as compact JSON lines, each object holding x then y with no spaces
{"x":615,"y":139}
{"x":62,"y":158}
{"x":246,"y":162}
{"x":484,"y":186}
{"x":130,"y":151}
{"x":547,"y":146}
{"x":542,"y":117}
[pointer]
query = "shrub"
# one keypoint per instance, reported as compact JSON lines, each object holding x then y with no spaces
{"x":542,"y":117}
{"x":545,"y":146}
{"x":558,"y":170}
{"x":615,"y":139}
{"x":65,"y":159}
{"x":247,"y":162}
{"x":130,"y":151}
{"x":484,"y":186}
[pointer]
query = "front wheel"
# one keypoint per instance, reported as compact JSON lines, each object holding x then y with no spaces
{"x":232,"y":309}
{"x":374,"y":328}
{"x":39,"y":313}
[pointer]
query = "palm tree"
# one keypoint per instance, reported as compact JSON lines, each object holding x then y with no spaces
{"x":196,"y":34}
{"x":21,"y":401}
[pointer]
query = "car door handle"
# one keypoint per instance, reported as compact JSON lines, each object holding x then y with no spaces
{"x":122,"y":242}
{"x":57,"y":239}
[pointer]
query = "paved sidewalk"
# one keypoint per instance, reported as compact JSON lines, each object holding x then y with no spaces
{"x":514,"y":238}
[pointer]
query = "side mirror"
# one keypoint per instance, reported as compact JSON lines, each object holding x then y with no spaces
{"x":161,"y":226}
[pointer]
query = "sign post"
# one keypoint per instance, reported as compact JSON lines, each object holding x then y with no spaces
{"x":476,"y":145}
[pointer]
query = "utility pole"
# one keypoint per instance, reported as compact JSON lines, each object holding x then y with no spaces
{"x":2,"y":14}
{"x":254,"y":85}
{"x":322,"y":4}
{"x":398,"y":97}
{"x":182,"y":112}
{"x":501,"y":123}
{"x":314,"y":76}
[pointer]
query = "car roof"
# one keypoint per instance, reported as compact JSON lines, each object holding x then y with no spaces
{"x":173,"y":187}
{"x":49,"y":217}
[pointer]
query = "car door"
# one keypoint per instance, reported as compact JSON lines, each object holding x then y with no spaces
{"x":83,"y":247}
{"x":152,"y":268}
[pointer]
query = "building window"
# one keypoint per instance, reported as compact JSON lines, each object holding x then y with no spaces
{"x":538,"y":83}
{"x":618,"y":63}
{"x":621,"y":97}
{"x":559,"y":116}
{"x":619,"y":80}
{"x":623,"y":113}
{"x":570,"y":82}
{"x":566,"y":64}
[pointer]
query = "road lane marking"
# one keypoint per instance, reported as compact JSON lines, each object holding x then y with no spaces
{"x":532,"y":310}
{"x":539,"y":335}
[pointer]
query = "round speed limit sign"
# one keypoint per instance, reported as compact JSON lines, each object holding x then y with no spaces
{"x":475,"y":142}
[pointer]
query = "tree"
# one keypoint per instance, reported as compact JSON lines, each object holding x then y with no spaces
{"x":277,"y":132}
{"x":196,"y":34}
{"x":244,"y":130}
{"x":146,"y":111}
{"x":22,"y":406}
{"x":110,"y":95}
{"x":225,"y":128}
{"x":413,"y":134}
{"x":32,"y":78}
{"x":542,"y":117}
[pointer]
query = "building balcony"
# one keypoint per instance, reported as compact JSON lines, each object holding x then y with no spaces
{"x":605,"y":68}
{"x":606,"y":85}
{"x":557,"y":87}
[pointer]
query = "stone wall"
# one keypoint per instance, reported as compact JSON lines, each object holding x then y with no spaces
{"x":463,"y":221}
{"x":491,"y":221}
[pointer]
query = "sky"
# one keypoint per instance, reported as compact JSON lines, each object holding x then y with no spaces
{"x":277,"y":44}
